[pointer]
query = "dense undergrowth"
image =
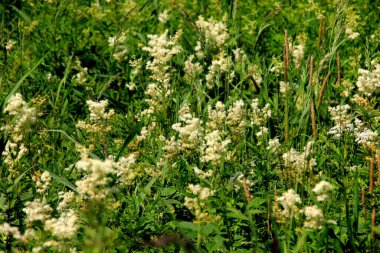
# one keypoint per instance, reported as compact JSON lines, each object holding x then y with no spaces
{"x":191,"y":126}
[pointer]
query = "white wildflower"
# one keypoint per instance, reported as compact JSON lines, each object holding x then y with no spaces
{"x":322,"y":189}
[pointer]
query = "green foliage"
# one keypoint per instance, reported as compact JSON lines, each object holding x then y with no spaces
{"x":61,"y":54}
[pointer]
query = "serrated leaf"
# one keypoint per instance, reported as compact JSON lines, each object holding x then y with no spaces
{"x":234,"y":213}
{"x":168,"y":191}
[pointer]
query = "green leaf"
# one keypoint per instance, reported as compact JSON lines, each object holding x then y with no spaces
{"x":168,"y":191}
{"x":187,"y":225}
{"x":18,"y":84}
{"x":17,"y":180}
{"x":128,"y":140}
{"x":64,"y":181}
{"x":234,"y":213}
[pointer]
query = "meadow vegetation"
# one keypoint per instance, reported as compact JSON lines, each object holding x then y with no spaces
{"x":189,"y":126}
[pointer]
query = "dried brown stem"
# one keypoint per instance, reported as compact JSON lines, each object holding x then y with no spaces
{"x":320,"y":33}
{"x":323,"y":89}
{"x":338,"y":65}
{"x":373,"y":223}
{"x":364,"y":206}
{"x":246,"y":191}
{"x":312,"y":110}
{"x":371,"y":169}
{"x":286,"y":64}
{"x":378,"y":166}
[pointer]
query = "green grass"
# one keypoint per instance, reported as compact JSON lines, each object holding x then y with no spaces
{"x":184,"y":157}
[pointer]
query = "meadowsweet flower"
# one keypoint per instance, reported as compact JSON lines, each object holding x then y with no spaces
{"x":189,"y":133}
{"x":198,"y":204}
{"x":219,"y":66}
{"x":369,"y":81}
{"x":22,"y":118}
{"x":239,"y":55}
{"x":42,"y":181}
{"x":117,"y":40}
{"x":285,"y":88}
{"x":163,"y":17}
{"x":161,"y":49}
{"x":297,"y":54}
{"x":215,"y":32}
{"x":276,"y":66}
{"x":314,"y":217}
{"x":192,"y":70}
{"x":322,"y":189}
{"x":126,"y":168}
{"x":94,"y":184}
{"x":216,"y":117}
{"x":37,"y":210}
{"x":235,"y":119}
{"x":274,"y":146}
{"x":342,"y":120}
{"x":65,"y":227}
{"x":9,"y":45}
{"x":98,"y":118}
{"x":259,"y":118}
{"x":214,"y":148}
{"x":67,"y":198}
{"x":296,"y":161}
{"x":347,"y":88}
{"x":81,"y":76}
{"x":289,"y":201}
{"x":364,"y":136}
{"x":202,"y":174}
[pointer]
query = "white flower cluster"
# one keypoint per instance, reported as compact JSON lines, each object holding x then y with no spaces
{"x":9,"y":45}
{"x":239,"y":55}
{"x":219,"y":66}
{"x":299,"y":161}
{"x":215,"y":32}
{"x":118,"y":43}
{"x":22,"y":118}
{"x":37,"y":210}
{"x":314,"y":218}
{"x":322,"y":189}
{"x":164,"y":17}
{"x":202,"y":174}
{"x":197,"y":204}
{"x":260,"y":117}
{"x":215,"y":147}
{"x":98,"y":117}
{"x":289,"y":202}
{"x":161,"y":49}
{"x":8,"y":230}
{"x":297,"y":54}
{"x":190,"y":132}
{"x":274,"y":146}
{"x":94,"y":184}
{"x":81,"y":76}
{"x":368,"y":82}
{"x":192,"y":70}
{"x":364,"y":136}
{"x":42,"y":181}
{"x":216,"y":117}
{"x":236,"y":118}
{"x":65,"y":226}
{"x":342,"y":120}
{"x":126,"y":169}
{"x":67,"y":198}
{"x":285,"y":88}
